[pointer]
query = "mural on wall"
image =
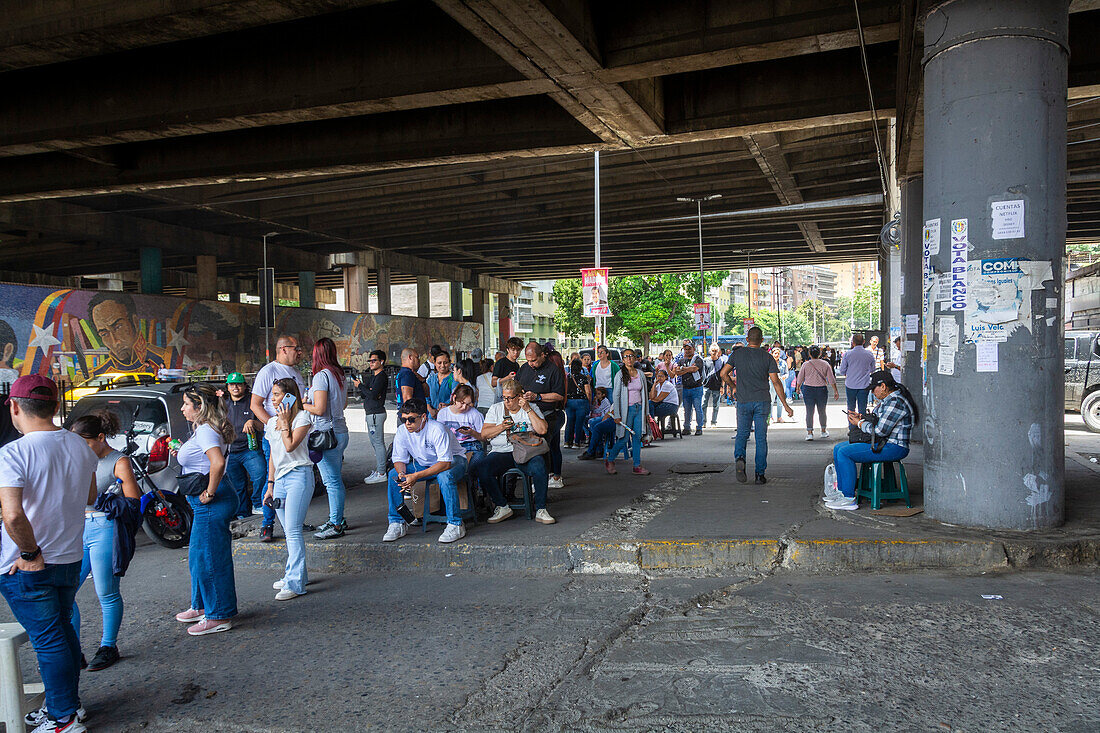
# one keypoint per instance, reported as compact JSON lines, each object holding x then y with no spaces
{"x":78,"y":334}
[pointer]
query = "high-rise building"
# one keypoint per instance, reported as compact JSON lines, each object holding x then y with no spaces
{"x":851,"y":276}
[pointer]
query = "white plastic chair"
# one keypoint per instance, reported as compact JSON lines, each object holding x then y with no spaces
{"x":13,"y":693}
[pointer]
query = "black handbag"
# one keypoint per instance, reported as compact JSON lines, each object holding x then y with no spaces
{"x":855,"y":435}
{"x":193,"y":484}
{"x":321,"y":440}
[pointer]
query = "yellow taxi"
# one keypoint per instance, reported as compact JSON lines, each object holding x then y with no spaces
{"x":108,"y":381}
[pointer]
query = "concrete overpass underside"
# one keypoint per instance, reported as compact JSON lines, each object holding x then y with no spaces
{"x":459,"y":134}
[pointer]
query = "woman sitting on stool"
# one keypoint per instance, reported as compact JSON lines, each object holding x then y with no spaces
{"x":663,"y":400}
{"x":892,"y":420}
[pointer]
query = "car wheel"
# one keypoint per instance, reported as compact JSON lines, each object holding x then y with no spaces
{"x":1090,"y":411}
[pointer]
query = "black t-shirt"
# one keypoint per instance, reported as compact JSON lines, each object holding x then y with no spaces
{"x":238,"y":413}
{"x":547,"y":378}
{"x":504,"y":367}
{"x":373,"y":388}
{"x":576,"y":386}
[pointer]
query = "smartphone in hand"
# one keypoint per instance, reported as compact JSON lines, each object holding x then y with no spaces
{"x":288,"y":401}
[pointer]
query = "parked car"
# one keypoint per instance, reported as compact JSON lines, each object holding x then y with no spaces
{"x":1083,"y":376}
{"x":107,"y":381}
{"x":612,"y":353}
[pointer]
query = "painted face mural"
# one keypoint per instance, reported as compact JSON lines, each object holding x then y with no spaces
{"x":78,"y":334}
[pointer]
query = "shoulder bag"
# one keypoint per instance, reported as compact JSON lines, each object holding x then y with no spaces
{"x":526,"y":446}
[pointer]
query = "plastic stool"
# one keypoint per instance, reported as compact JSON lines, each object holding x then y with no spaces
{"x":467,"y":515}
{"x":528,"y":505}
{"x":877,"y":481}
{"x":670,"y":424}
{"x":13,"y":702}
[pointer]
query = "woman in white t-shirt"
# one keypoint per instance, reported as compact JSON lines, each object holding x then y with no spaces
{"x":487,"y":395}
{"x":210,"y":552}
{"x":464,"y":421}
{"x":327,"y":399}
{"x":663,"y":399}
{"x":289,"y":481}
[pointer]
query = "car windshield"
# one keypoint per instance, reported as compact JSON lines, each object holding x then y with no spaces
{"x":144,"y":413}
{"x":99,"y":381}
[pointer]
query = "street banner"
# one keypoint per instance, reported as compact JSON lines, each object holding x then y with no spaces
{"x":702,"y":316}
{"x":594,"y":291}
{"x":749,"y":323}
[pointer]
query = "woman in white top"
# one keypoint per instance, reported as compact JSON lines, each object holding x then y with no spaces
{"x":487,"y":395}
{"x":289,"y":481}
{"x":210,"y":552}
{"x":663,"y":399}
{"x":327,"y":399}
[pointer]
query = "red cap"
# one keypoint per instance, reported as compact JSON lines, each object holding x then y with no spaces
{"x":24,"y":387}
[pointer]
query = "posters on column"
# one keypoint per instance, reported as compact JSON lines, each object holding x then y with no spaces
{"x":960,"y":241}
{"x":987,"y":356}
{"x":594,"y":291}
{"x":931,"y":236}
{"x":1007,"y":219}
{"x":1000,"y":296}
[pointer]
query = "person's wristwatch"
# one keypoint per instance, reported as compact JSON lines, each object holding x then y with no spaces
{"x":32,"y":555}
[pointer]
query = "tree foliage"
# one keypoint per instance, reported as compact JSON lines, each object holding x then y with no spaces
{"x":788,"y":327}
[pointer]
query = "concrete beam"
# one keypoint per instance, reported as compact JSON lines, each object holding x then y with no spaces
{"x":423,"y":296}
{"x":85,"y":223}
{"x":769,"y":156}
{"x":408,"y":264}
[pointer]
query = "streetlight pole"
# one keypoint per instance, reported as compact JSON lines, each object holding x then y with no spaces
{"x":269,"y":290}
{"x":699,"y":218}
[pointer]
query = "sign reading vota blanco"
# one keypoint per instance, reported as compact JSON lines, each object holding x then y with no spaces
{"x":594,"y":291}
{"x":702,"y":316}
{"x":1007,"y":219}
{"x":959,"y":242}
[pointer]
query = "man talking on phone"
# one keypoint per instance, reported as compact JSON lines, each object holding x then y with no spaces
{"x":287,"y":356}
{"x":753,"y":367}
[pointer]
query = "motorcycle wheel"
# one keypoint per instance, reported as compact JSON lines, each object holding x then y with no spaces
{"x":169,"y":525}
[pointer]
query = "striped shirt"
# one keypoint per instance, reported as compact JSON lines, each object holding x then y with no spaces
{"x":895,"y":420}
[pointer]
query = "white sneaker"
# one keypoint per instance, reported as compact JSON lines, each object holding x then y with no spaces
{"x":500,"y":514}
{"x":824,"y":433}
{"x":543,"y":517}
{"x":555,"y":483}
{"x":278,"y":585}
{"x":809,"y":436}
{"x":375,"y":478}
{"x":286,"y":594}
{"x":52,"y":726}
{"x":39,"y":716}
{"x":452,"y":533}
{"x":846,"y":503}
{"x":395,"y":531}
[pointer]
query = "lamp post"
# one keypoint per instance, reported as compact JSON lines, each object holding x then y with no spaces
{"x":269,"y":288}
{"x":699,"y":217}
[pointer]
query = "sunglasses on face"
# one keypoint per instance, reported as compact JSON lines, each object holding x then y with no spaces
{"x":410,"y":419}
{"x":506,"y":398}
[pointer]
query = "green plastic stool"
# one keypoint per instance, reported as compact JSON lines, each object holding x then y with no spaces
{"x":878,"y":482}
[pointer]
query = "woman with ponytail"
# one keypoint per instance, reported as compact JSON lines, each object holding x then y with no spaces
{"x":889,"y":426}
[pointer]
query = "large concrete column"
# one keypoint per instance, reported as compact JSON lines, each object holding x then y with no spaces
{"x":385,"y":295}
{"x":206,"y":267}
{"x":480,"y":314}
{"x":456,"y":301}
{"x":423,"y":296}
{"x":504,"y":317}
{"x":356,"y":289}
{"x":909,"y":260}
{"x":307,"y":284}
{"x":994,"y":131}
{"x":152,"y":282}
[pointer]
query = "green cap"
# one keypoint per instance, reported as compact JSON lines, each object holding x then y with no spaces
{"x":235,"y":378}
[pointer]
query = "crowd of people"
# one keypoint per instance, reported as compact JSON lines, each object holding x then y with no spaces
{"x":68,"y":498}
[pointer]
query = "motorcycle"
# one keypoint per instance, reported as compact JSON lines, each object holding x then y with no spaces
{"x":166,"y":516}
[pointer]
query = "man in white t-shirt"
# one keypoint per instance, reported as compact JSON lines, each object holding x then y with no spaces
{"x":423,"y":448}
{"x":287,"y":356}
{"x":47,"y":478}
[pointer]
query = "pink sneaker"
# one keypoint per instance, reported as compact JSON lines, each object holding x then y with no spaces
{"x":638,"y":470}
{"x":190,"y":616}
{"x":610,"y":466}
{"x":210,"y":626}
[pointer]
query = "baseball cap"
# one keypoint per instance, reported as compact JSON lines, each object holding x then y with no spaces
{"x":24,"y":387}
{"x":883,"y":377}
{"x":477,"y":354}
{"x":235,"y":378}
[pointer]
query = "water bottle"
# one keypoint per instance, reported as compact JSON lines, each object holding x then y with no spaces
{"x":117,"y":488}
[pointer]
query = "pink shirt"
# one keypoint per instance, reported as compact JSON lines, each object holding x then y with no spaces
{"x":634,"y":390}
{"x":815,"y":373}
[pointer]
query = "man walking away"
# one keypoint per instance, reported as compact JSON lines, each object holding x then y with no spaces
{"x":287,"y":356}
{"x":373,"y":388}
{"x":47,"y":478}
{"x":856,"y":366}
{"x":689,"y":367}
{"x":753,"y":367}
{"x":712,"y":383}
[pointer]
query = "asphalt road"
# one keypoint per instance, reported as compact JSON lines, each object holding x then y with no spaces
{"x":476,"y":652}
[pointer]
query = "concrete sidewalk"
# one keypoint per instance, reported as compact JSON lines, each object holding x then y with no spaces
{"x":701,"y":523}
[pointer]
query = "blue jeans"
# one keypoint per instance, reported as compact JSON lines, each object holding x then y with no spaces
{"x":602,"y":430}
{"x":847,"y":455}
{"x":492,"y":465}
{"x":752,"y":415}
{"x":375,"y":428}
{"x":269,"y":513}
{"x":857,"y":398}
{"x":295,"y":488}
{"x":693,"y":399}
{"x":448,"y":488}
{"x":575,"y":412}
{"x":331,"y":466}
{"x":210,"y":556}
{"x":788,"y":384}
{"x":662,"y":409}
{"x":635,"y":421}
{"x":816,"y":398}
{"x":99,"y":555}
{"x":710,"y":399}
{"x":242,"y":466}
{"x":43,"y":603}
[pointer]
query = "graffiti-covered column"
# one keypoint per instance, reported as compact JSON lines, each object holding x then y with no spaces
{"x":995,"y":198}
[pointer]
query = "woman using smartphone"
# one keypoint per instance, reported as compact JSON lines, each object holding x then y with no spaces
{"x":289,"y":481}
